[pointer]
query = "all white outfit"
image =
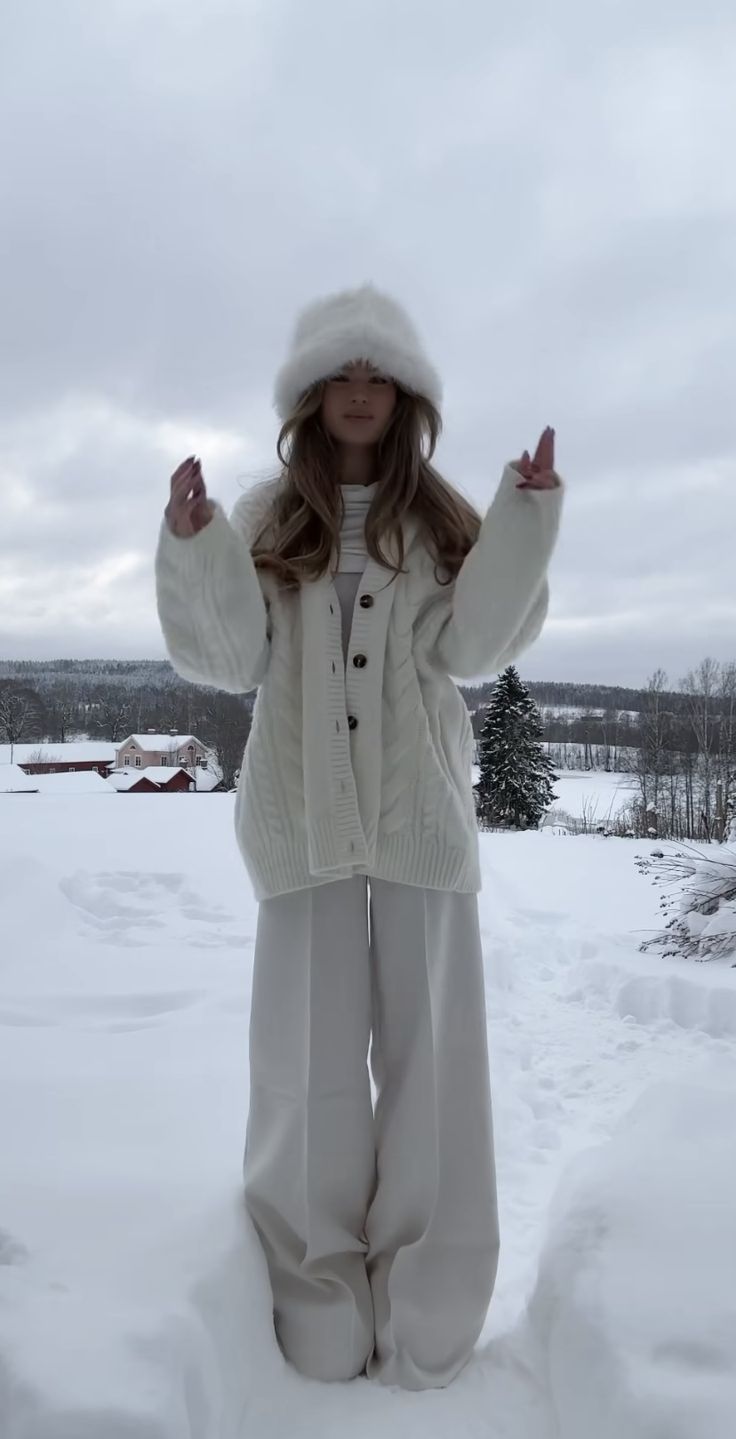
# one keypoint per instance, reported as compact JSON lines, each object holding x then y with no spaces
{"x":355,"y":820}
{"x":381,"y":1233}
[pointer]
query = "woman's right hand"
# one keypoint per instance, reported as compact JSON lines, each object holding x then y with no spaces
{"x":189,"y":509}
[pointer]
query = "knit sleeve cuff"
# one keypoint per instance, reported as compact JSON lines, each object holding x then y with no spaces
{"x":188,"y":555}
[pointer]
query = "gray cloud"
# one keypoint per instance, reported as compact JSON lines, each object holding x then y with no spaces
{"x":548,"y":187}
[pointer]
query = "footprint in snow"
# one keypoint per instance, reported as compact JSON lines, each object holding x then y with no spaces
{"x":138,"y":908}
{"x":11,"y":1249}
{"x":113,"y":1013}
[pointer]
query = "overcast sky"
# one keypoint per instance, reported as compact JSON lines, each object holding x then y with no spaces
{"x":549,"y":188}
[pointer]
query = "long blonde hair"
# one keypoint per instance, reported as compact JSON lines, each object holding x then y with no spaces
{"x":295,"y":540}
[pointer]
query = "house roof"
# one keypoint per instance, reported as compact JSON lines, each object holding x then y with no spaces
{"x":14,"y":781}
{"x":162,"y":773}
{"x":122,"y":779}
{"x":160,"y":741}
{"x":92,"y":750}
{"x":80,"y":781}
{"x":156,"y":773}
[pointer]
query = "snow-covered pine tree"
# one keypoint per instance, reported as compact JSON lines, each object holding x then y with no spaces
{"x":516,"y":776}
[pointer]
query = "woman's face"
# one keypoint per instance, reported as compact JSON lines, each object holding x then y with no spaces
{"x":357,"y":404}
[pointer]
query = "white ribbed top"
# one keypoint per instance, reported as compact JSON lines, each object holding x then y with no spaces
{"x":357,"y":500}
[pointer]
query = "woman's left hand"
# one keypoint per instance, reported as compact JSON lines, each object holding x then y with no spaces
{"x":539,"y":473}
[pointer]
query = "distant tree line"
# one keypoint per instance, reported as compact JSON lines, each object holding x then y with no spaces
{"x":108,"y":700}
{"x":686,"y":757}
{"x":679,"y":743}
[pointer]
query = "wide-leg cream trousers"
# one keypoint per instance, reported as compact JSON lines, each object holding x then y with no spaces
{"x":380,"y":1229}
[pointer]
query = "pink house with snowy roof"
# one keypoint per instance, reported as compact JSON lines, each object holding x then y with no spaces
{"x":139,"y":751}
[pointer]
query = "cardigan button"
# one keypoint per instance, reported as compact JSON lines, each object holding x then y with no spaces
{"x":366,"y":601}
{"x":352,"y":722}
{"x":359,"y":661}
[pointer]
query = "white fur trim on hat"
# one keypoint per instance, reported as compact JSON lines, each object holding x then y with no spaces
{"x":363,"y":324}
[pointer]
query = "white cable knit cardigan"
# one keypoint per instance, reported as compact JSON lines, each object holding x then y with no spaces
{"x":362,"y":768}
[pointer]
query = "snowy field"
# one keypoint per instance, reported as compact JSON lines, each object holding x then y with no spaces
{"x":596,"y":793}
{"x":134,"y":1300}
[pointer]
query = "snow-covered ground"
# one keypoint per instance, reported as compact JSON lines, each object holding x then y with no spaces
{"x":134,"y":1300}
{"x":596,"y":794}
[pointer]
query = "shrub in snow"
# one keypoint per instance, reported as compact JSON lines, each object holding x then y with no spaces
{"x":702,"y":910}
{"x":514,"y":787}
{"x":560,"y":818}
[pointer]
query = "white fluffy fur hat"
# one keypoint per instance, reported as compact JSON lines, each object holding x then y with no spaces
{"x":363,"y":324}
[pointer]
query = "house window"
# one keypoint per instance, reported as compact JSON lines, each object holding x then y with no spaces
{"x":163,"y":759}
{"x":72,"y":769}
{"x":138,"y":760}
{"x":126,"y":759}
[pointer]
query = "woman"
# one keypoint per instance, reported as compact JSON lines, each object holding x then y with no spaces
{"x":349,"y":590}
